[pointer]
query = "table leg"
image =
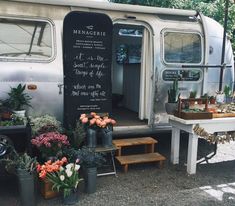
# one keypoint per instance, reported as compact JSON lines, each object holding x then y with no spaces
{"x":175,"y":145}
{"x":192,"y":153}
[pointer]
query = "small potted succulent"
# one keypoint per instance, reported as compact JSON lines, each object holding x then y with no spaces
{"x":173,"y":96}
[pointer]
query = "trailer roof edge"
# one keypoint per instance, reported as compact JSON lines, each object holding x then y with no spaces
{"x":112,"y":6}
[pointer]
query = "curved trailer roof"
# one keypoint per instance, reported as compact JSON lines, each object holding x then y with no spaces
{"x":112,"y":6}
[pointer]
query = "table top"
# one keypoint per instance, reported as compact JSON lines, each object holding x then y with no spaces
{"x":198,"y":121}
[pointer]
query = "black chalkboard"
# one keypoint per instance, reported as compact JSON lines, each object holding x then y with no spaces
{"x":87,"y":42}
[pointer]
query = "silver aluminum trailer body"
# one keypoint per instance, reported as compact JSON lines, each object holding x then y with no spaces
{"x":168,"y":39}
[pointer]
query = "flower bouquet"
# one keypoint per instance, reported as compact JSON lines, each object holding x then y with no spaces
{"x":94,"y":122}
{"x":64,"y":176}
{"x":50,"y":144}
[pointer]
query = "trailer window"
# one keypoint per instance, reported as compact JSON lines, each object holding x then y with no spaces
{"x":25,"y":39}
{"x":182,"y":48}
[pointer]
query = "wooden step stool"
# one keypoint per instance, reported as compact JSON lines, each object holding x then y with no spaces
{"x":148,"y":156}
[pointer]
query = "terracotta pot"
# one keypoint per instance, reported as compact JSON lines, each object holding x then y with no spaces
{"x":212,"y":101}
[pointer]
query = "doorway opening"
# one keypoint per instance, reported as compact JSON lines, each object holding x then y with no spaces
{"x":128,"y":84}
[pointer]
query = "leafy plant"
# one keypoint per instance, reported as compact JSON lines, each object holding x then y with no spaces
{"x":173,"y":92}
{"x":19,"y":161}
{"x":227,"y":91}
{"x":18,"y":98}
{"x":192,"y":94}
{"x":76,"y":135}
{"x":87,"y":156}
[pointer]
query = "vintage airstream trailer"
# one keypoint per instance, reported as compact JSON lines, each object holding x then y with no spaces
{"x":151,"y":46}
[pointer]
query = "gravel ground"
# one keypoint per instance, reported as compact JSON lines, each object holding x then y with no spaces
{"x":147,"y":185}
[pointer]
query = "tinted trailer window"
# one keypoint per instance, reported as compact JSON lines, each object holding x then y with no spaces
{"x":182,"y":48}
{"x":25,"y":39}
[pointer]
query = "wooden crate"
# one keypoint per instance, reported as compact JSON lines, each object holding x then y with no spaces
{"x":46,"y":189}
{"x":194,"y":115}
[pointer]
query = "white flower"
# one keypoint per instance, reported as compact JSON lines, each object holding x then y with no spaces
{"x":69,"y":166}
{"x":69,"y":173}
{"x":77,"y":167}
{"x":62,"y":177}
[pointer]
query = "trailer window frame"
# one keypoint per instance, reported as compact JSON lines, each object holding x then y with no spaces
{"x":164,"y":31}
{"x":38,"y":21}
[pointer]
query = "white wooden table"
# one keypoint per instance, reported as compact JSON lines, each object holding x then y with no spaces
{"x":210,"y":125}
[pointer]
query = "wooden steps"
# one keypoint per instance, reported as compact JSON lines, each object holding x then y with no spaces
{"x":148,"y":156}
{"x":149,"y":143}
{"x":140,"y":158}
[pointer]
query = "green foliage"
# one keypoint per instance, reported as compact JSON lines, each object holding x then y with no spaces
{"x":18,"y":98}
{"x":227,"y":91}
{"x":87,"y":156}
{"x":76,"y":135}
{"x":173,"y":92}
{"x":193,"y":94}
{"x":14,"y":160}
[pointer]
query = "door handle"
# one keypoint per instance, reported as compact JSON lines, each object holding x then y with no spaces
{"x":60,"y":88}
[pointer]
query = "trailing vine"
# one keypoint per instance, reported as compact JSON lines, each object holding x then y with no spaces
{"x":213,"y":138}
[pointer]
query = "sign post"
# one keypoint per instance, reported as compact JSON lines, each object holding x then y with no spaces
{"x":87,"y":41}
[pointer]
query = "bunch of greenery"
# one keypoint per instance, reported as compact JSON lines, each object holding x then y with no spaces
{"x":14,"y":161}
{"x":87,"y":156}
{"x":76,"y":135}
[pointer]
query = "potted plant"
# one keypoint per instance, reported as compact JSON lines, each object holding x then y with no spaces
{"x":212,"y":99}
{"x":228,"y":94}
{"x":90,"y":160}
{"x":192,"y":95}
{"x":24,"y":166}
{"x":64,"y":177}
{"x":50,"y":144}
{"x":18,"y":99}
{"x":204,"y":97}
{"x":173,"y":96}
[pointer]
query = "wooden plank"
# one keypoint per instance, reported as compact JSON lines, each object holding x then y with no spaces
{"x":140,"y":158}
{"x":134,"y":141}
{"x":221,"y":115}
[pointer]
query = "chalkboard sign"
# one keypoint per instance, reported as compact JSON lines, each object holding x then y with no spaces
{"x":87,"y":41}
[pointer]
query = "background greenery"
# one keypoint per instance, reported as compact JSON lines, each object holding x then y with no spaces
{"x":211,"y":8}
